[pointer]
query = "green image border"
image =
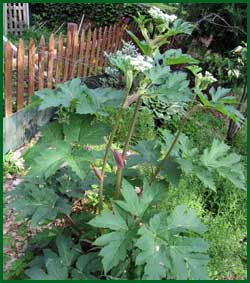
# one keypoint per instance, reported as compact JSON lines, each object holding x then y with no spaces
{"x":248,"y":113}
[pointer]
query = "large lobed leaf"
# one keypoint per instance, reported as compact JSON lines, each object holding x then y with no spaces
{"x":85,"y":100}
{"x":213,"y":160}
{"x":53,"y":266}
{"x":56,"y":147}
{"x":164,"y":251}
{"x":222,"y":102}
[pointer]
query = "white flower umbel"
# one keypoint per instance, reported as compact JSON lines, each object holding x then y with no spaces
{"x":157,"y":14}
{"x":141,"y":63}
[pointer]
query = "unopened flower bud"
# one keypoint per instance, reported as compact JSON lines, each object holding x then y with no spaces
{"x":97,"y":173}
{"x":118,"y":158}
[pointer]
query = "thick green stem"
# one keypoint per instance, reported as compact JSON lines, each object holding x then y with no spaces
{"x":183,"y":123}
{"x":125,"y":149}
{"x":108,"y":147}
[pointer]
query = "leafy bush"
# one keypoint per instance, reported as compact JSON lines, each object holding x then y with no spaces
{"x":99,"y":14}
{"x":230,"y":25}
{"x":10,"y":165}
{"x":134,"y":235}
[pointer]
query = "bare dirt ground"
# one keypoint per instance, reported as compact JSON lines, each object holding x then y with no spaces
{"x":15,"y":237}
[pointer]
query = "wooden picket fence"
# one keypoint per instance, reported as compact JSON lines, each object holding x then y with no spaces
{"x":16,"y":17}
{"x":27,"y":71}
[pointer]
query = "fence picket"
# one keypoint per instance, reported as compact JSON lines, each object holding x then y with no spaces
{"x":31,"y":68}
{"x":99,"y":42}
{"x":59,"y":59}
{"x":86,"y":56}
{"x":113,"y":41}
{"x":8,"y":54}
{"x":108,"y":47}
{"x":67,"y":55}
{"x":20,"y":75}
{"x":103,"y":47}
{"x":75,"y":47}
{"x":41,"y":60}
{"x":50,"y":60}
{"x":92,"y":54}
{"x":81,"y":50}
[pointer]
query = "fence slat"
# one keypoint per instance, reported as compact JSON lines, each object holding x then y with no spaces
{"x":114,"y":35}
{"x":59,"y":59}
{"x":41,"y":63}
{"x":20,"y":75}
{"x":92,"y":55}
{"x":86,"y":56}
{"x":103,"y":47}
{"x":67,"y":55}
{"x":117,"y":38}
{"x":81,"y":50}
{"x":75,"y":47}
{"x":99,"y":43}
{"x":31,"y":68}
{"x":8,"y":54}
{"x":108,"y":47}
{"x":50,"y":60}
{"x":122,"y":36}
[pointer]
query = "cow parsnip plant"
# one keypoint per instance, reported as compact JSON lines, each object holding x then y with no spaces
{"x":76,"y":153}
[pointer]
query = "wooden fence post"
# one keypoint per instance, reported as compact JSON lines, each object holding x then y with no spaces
{"x":99,"y":43}
{"x":59,"y":59}
{"x":75,"y":47}
{"x":31,"y":68}
{"x":8,"y":56}
{"x":81,"y":50}
{"x":50,"y":60}
{"x":92,"y":54}
{"x":86,"y":56}
{"x":20,"y":75}
{"x":41,"y":63}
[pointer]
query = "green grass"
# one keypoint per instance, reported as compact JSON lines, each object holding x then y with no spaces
{"x":224,"y":211}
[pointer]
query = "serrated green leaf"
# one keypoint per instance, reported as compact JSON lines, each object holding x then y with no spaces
{"x":179,"y":26}
{"x":183,"y":219}
{"x":171,"y":170}
{"x":36,"y":273}
{"x":132,"y":203}
{"x":222,"y":102}
{"x":92,"y":132}
{"x":226,"y":164}
{"x":175,"y":89}
{"x":149,"y":152}
{"x":34,"y":203}
{"x":163,"y":249}
{"x":55,"y":270}
{"x":89,"y":263}
{"x":213,"y":160}
{"x":66,"y":250}
{"x":176,"y":57}
{"x":116,"y":245}
{"x":110,"y":220}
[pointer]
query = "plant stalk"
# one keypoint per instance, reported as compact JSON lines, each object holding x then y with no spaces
{"x":183,"y":123}
{"x":108,"y":147}
{"x":125,"y":149}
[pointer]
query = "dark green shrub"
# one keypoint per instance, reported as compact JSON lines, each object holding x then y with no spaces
{"x":98,"y":14}
{"x":225,"y":37}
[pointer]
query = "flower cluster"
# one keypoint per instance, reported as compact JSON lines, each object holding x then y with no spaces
{"x":157,"y":14}
{"x":141,"y":63}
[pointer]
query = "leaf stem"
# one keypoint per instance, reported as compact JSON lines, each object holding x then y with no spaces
{"x":183,"y":123}
{"x":125,"y":149}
